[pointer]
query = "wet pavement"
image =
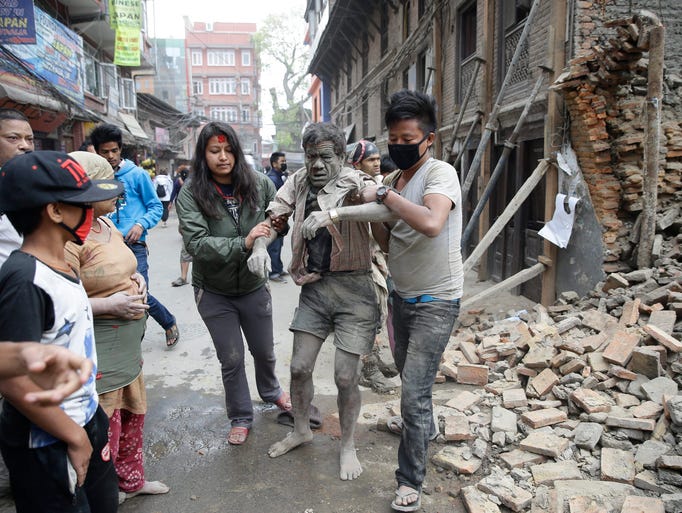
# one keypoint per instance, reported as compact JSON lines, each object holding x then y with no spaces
{"x":186,"y":424}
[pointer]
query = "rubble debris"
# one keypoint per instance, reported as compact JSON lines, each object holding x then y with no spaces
{"x":576,"y":407}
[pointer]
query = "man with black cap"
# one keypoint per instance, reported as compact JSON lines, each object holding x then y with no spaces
{"x":48,"y":198}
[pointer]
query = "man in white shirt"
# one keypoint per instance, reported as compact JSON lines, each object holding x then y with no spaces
{"x":16,"y":138}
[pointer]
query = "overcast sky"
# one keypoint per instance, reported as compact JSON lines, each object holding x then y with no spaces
{"x":165,"y":18}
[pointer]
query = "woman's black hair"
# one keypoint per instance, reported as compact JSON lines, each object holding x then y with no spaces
{"x":203,"y":186}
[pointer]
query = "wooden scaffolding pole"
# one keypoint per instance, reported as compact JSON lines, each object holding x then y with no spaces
{"x":462,"y":109}
{"x":511,"y":282}
{"x":509,"y":145}
{"x":651,"y":146}
{"x":508,"y":213}
{"x":470,"y":133}
{"x":490,"y":125}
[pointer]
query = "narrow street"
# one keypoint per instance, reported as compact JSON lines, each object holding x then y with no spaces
{"x":186,"y":426}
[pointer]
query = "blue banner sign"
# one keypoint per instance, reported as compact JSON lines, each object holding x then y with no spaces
{"x":17,"y":25}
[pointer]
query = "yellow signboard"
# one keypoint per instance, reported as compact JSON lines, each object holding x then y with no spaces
{"x":127,"y":47}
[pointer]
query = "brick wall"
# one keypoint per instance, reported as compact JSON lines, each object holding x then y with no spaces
{"x":605,"y":90}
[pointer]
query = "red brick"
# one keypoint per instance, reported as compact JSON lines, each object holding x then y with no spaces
{"x":620,"y":347}
{"x":470,"y":374}
{"x":591,"y":401}
{"x":544,"y":382}
{"x":540,"y":418}
{"x":630,"y":313}
{"x":663,"y":338}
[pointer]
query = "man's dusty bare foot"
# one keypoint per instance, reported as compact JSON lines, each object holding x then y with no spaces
{"x":350,"y":465}
{"x":291,"y":441}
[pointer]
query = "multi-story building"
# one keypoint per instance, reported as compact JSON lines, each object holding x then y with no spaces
{"x":461,"y":52}
{"x":223,"y":77}
{"x":170,"y":79}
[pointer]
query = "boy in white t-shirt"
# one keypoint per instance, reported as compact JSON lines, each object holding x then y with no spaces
{"x":57,"y":456}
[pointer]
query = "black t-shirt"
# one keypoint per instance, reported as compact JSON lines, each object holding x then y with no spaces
{"x":18,"y":294}
{"x":320,"y":246}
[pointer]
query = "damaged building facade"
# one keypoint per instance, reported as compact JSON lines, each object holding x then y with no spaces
{"x":574,"y":72}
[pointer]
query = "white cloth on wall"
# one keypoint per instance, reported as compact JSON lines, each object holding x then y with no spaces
{"x":558,"y":230}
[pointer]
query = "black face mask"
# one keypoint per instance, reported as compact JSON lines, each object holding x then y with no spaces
{"x":283,"y":167}
{"x":406,"y":155}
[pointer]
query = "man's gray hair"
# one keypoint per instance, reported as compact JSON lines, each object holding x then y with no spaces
{"x":317,"y":133}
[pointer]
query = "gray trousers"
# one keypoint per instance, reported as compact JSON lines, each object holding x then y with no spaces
{"x":226,"y":317}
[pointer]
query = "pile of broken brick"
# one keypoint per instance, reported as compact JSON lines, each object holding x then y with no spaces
{"x":577,"y":407}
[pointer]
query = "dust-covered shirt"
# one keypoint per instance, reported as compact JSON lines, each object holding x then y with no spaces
{"x":429,"y":265}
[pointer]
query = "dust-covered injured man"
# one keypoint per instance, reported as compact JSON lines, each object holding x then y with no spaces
{"x":333,"y":268}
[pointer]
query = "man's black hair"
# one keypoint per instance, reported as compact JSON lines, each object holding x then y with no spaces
{"x":105,"y":133}
{"x":407,"y":104}
{"x":275,"y":155}
{"x":387,"y":164}
{"x":317,"y":133}
{"x":84,"y":146}
{"x":12,"y":114}
{"x":26,"y":221}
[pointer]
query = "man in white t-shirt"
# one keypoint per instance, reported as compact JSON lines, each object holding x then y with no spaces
{"x":417,"y":218}
{"x":16,"y":138}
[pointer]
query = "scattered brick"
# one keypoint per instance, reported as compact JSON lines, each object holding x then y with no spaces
{"x":617,"y":465}
{"x":543,"y":382}
{"x":471,"y":374}
{"x":620,"y":347}
{"x":541,"y":418}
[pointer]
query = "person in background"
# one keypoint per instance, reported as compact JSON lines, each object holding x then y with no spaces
{"x":277,"y":173}
{"x":58,"y":456}
{"x":139,"y":211}
{"x":163,"y":183}
{"x":185,"y":257}
{"x":366,"y":158}
{"x":387,"y":166}
{"x":105,"y":265}
{"x":87,"y":146}
{"x":16,"y":138}
{"x":222,"y":211}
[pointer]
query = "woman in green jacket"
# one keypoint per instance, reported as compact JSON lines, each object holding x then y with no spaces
{"x":222,"y":211}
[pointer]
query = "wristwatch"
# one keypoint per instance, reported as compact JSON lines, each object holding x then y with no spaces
{"x":382,"y":192}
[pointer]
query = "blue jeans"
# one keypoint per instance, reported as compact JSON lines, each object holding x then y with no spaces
{"x":158,"y":312}
{"x":422,"y":331}
{"x":275,"y":252}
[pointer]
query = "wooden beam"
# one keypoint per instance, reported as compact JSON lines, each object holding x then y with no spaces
{"x":554,"y":124}
{"x":511,"y":282}
{"x":508,"y":213}
{"x":651,"y":146}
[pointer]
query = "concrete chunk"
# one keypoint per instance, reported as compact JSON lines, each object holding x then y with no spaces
{"x":635,"y":504}
{"x":587,"y":435}
{"x":503,"y":420}
{"x":512,"y":496}
{"x":519,"y":459}
{"x":591,"y":401}
{"x":656,"y":388}
{"x":603,"y":492}
{"x":617,"y":465}
{"x":459,"y":459}
{"x":545,"y":443}
{"x":547,"y":473}
{"x":514,"y":398}
{"x":464,"y":400}
{"x":477,"y":502}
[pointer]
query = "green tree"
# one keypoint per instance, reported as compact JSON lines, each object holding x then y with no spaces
{"x":280,"y":42}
